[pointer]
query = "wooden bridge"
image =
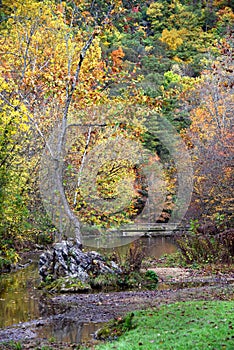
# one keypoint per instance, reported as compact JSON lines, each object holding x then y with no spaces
{"x":149,"y":229}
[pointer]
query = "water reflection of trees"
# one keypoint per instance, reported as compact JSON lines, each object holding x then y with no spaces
{"x":67,"y":330}
{"x":18,"y":296}
{"x":20,"y":301}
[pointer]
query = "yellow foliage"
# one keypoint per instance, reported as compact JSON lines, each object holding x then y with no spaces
{"x":40,"y":52}
{"x":173,"y":38}
{"x":155,"y":10}
{"x":14,"y":172}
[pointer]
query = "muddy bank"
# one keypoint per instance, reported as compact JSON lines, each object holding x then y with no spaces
{"x":66,"y":312}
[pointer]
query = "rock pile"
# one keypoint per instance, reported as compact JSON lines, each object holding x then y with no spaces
{"x":66,"y":259}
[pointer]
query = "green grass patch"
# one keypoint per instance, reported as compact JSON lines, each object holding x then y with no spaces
{"x":184,"y":325}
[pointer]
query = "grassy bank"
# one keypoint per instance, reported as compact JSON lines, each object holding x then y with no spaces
{"x":183,"y":325}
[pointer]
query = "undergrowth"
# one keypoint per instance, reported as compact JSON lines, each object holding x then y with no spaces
{"x":204,"y":248}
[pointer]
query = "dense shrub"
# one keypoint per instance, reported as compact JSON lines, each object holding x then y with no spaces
{"x":207,"y":248}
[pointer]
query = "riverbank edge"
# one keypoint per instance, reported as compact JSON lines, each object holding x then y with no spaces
{"x":106,"y":306}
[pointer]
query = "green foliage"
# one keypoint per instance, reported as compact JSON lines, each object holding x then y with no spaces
{"x":120,"y":281}
{"x":194,"y":225}
{"x":172,"y":260}
{"x":8,"y":256}
{"x":65,"y":285}
{"x":130,"y":277}
{"x":13,"y":345}
{"x":187,"y":325}
{"x":151,"y":279}
{"x":220,"y":220}
{"x":14,"y":175}
{"x":105,"y":281}
{"x":152,"y":275}
{"x":44,"y":237}
{"x":130,"y":280}
{"x":125,"y":281}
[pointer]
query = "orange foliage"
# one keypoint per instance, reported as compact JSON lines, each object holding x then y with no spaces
{"x":117,"y":59}
{"x":211,"y":134}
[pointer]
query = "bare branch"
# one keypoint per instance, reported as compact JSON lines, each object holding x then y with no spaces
{"x":43,"y":137}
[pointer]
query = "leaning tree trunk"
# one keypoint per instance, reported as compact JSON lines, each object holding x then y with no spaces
{"x":74,"y":224}
{"x":52,"y":164}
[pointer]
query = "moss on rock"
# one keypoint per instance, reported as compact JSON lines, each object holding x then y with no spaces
{"x":66,"y":284}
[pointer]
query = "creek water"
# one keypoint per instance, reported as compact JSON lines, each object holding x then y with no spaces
{"x":70,"y":331}
{"x":19,"y":296}
{"x":20,"y":300}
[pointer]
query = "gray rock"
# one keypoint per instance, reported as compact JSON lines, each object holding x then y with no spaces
{"x":66,"y":259}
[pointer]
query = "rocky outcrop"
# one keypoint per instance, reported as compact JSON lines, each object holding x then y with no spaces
{"x":67,"y":259}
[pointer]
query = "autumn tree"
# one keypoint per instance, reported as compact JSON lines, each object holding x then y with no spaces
{"x":57,"y":73}
{"x":14,"y":175}
{"x":210,"y":137}
{"x":92,"y":66}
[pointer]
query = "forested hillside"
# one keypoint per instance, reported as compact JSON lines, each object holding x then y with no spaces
{"x":116,"y":67}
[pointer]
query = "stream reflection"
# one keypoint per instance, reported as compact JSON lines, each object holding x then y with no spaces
{"x":19,"y":296}
{"x":21,"y":301}
{"x":152,"y":246}
{"x":69,"y":331}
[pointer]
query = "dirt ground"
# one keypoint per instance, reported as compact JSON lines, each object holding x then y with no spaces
{"x":175,"y":284}
{"x":178,"y":275}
